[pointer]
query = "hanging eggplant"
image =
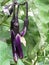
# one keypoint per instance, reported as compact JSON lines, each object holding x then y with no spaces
{"x":15,"y":37}
{"x":26,"y":21}
{"x":15,"y":34}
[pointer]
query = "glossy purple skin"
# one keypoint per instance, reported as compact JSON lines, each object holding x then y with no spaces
{"x":16,"y":46}
{"x":15,"y":34}
{"x":13,"y":44}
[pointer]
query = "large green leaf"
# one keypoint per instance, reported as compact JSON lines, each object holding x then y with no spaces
{"x":4,"y":56}
{"x":4,"y":35}
{"x":20,"y":62}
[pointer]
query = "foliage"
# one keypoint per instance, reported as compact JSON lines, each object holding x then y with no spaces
{"x":36,"y":51}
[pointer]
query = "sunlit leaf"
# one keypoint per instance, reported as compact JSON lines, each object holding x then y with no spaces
{"x":20,"y":62}
{"x":4,"y":58}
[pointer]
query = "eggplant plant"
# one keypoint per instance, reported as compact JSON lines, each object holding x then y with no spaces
{"x":24,"y":32}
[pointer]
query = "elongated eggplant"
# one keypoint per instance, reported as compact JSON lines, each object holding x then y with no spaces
{"x":15,"y":34}
{"x":15,"y":55}
{"x":15,"y":38}
{"x":26,"y":21}
{"x":18,"y":46}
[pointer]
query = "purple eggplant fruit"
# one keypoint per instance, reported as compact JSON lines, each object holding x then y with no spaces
{"x":16,"y":46}
{"x":13,"y":45}
{"x":15,"y":34}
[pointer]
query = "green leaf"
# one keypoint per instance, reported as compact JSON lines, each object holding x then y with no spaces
{"x":19,"y":1}
{"x":41,"y":63}
{"x":42,"y":5}
{"x":4,"y":35}
{"x":1,"y":1}
{"x":4,"y":58}
{"x":4,"y":2}
{"x":19,"y":62}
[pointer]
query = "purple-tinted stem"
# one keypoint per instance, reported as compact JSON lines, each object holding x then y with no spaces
{"x":23,"y":32}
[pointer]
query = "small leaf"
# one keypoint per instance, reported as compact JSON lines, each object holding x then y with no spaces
{"x":4,"y":35}
{"x":4,"y":56}
{"x":20,"y":62}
